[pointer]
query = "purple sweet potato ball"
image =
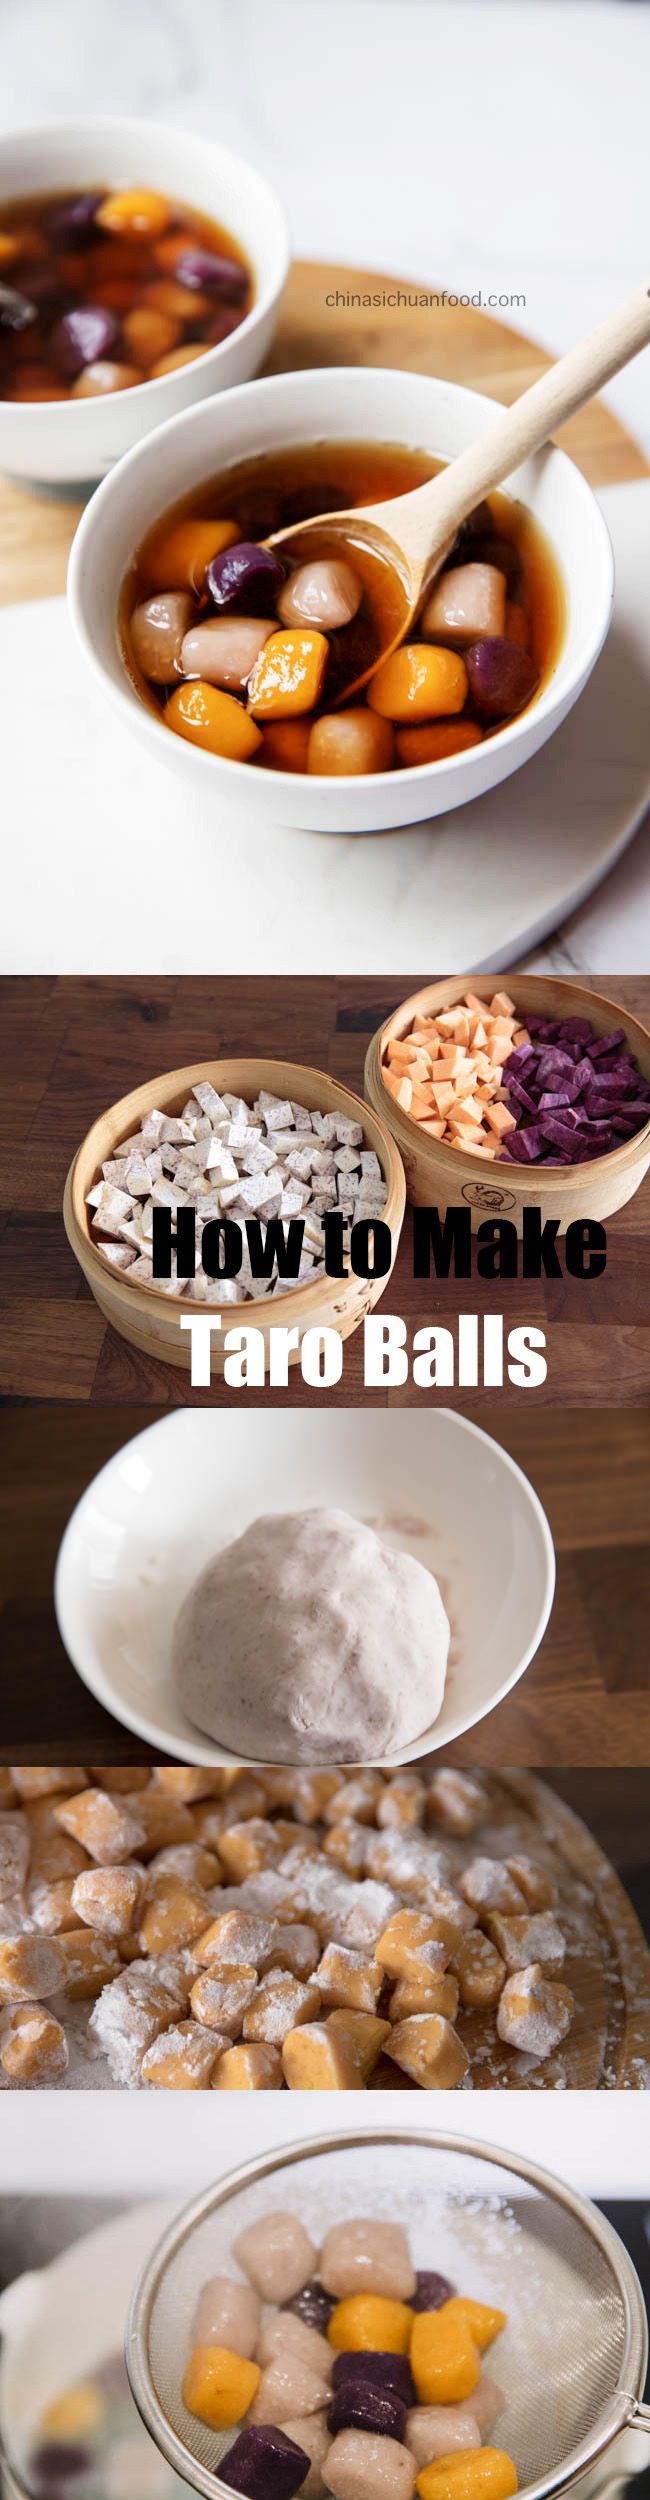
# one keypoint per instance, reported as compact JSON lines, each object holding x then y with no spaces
{"x":211,"y":273}
{"x":83,"y":337}
{"x":501,"y":677}
{"x":245,"y":576}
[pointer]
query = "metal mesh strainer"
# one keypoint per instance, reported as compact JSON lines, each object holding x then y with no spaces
{"x":571,"y":2362}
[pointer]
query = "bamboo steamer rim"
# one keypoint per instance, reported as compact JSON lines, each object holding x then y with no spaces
{"x":298,"y":1298}
{"x":553,"y":1175}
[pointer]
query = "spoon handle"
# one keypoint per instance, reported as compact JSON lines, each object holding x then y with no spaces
{"x":525,"y":427}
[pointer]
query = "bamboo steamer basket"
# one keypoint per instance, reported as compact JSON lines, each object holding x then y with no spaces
{"x":149,"y":1318}
{"x":440,"y":1175}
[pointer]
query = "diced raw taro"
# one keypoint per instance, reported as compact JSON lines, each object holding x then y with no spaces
{"x":84,"y":336}
{"x":265,"y":2465}
{"x":388,"y":2370}
{"x":432,"y":2290}
{"x":245,"y":575}
{"x":211,"y":273}
{"x":502,"y":678}
{"x":314,"y":2305}
{"x":357,"y":2405}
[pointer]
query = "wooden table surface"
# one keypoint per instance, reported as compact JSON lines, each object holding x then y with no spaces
{"x":68,"y":1048}
{"x":585,"y":1700}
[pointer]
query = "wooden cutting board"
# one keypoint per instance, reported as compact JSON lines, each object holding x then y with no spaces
{"x":607,"y":1966}
{"x":458,"y":343}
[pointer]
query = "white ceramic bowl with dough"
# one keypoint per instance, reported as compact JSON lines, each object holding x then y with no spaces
{"x":338,"y":404}
{"x":73,"y":442}
{"x":434,"y":1484}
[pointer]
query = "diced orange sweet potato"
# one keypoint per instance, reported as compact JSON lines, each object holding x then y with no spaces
{"x":401,"y":1088}
{"x":499,"y":1117}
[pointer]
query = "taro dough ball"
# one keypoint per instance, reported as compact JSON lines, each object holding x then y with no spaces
{"x":310,"y":1640}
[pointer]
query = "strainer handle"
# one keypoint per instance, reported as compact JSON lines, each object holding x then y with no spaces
{"x":639,"y":2416}
{"x":618,"y":2482}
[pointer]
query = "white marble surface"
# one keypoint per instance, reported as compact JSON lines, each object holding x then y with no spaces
{"x":498,"y":145}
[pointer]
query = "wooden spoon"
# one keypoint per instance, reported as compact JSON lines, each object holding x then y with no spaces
{"x":413,"y":533}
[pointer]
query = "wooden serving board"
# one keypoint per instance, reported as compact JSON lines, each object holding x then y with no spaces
{"x":459,"y":344}
{"x":607,"y":1966}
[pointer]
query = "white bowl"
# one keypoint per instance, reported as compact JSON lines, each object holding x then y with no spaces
{"x":433,"y":1483}
{"x":338,"y":404}
{"x":74,"y":441}
{"x":61,"y":2321}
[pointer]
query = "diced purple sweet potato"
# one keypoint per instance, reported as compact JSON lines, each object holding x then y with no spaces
{"x":573,"y":1094}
